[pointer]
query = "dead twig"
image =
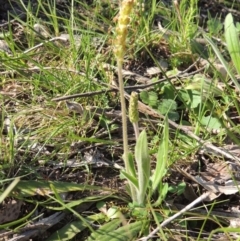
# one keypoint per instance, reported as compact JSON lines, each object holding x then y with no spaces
{"x":182,"y":74}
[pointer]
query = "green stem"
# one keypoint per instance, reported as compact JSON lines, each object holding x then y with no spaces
{"x":124,"y":128}
{"x":124,"y":116}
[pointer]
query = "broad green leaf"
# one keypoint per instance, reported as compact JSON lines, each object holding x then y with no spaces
{"x":174,"y":116}
{"x":192,"y":98}
{"x":164,"y":191}
{"x":144,"y":96}
{"x":232,"y":40}
{"x":168,"y":91}
{"x":238,"y":26}
{"x":132,"y":169}
{"x":126,"y":232}
{"x":149,"y":98}
{"x":167,"y":105}
{"x":162,"y":158}
{"x":69,"y":231}
{"x":211,"y":122}
{"x":43,"y":188}
{"x":143,"y":166}
{"x":152,"y":98}
{"x":104,"y":230}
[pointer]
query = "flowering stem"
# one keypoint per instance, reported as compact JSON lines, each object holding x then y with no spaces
{"x":120,"y":46}
{"x":124,"y":116}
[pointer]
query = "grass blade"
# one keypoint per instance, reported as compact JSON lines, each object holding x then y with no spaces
{"x":222,"y":60}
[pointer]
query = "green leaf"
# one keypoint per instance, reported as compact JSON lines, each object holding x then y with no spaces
{"x":113,"y":212}
{"x":143,"y":166}
{"x":222,"y":60}
{"x":238,"y":26}
{"x":69,"y":231}
{"x":232,"y":40}
{"x":162,"y":158}
{"x":130,"y":178}
{"x":43,"y":188}
{"x":104,"y":230}
{"x":211,"y":122}
{"x":132,"y":169}
{"x":192,"y":98}
{"x":139,"y":212}
{"x":172,"y":72}
{"x":74,"y":203}
{"x":179,"y":189}
{"x":159,"y":217}
{"x":168,"y":91}
{"x":162,"y":191}
{"x":144,"y":96}
{"x":153,"y":98}
{"x":126,"y":232}
{"x":149,"y":98}
{"x":214,"y":26}
{"x":174,"y":116}
{"x":167,"y":105}
{"x":56,"y":193}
